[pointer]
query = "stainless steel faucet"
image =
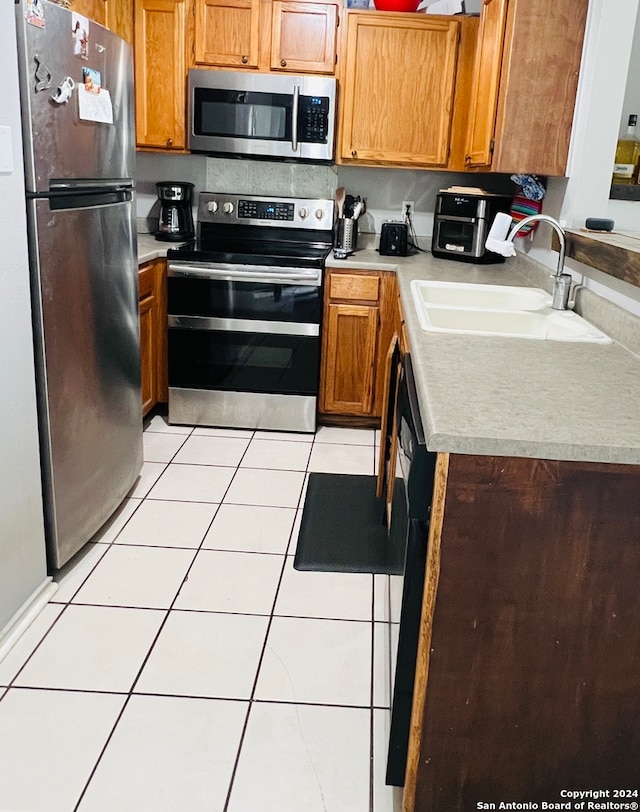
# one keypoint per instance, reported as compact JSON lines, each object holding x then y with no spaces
{"x":562,"y":281}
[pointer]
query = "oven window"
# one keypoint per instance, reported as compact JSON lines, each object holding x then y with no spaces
{"x":244,"y":362}
{"x":243,"y":114}
{"x":456,"y":234}
{"x":244,"y":300}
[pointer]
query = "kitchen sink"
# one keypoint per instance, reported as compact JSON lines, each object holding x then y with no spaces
{"x":494,"y":297}
{"x":499,"y":311}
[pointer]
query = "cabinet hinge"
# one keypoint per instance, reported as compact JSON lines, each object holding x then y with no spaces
{"x":492,"y":144}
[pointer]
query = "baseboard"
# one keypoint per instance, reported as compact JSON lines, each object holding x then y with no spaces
{"x":25,"y":616}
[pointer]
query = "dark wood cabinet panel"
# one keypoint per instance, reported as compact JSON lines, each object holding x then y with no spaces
{"x":528,"y":666}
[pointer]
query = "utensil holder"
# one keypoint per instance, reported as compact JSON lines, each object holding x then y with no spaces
{"x":346,"y":237}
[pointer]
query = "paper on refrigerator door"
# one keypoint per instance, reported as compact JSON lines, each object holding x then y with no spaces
{"x":95,"y":106}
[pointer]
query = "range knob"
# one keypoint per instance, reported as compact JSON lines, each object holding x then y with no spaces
{"x":228,"y":208}
{"x":319,"y":214}
{"x":304,"y":213}
{"x":212,"y":206}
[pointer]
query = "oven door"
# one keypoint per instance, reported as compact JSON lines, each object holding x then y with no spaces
{"x":227,"y":291}
{"x":244,"y":346}
{"x":244,"y":356}
{"x":458,"y":236}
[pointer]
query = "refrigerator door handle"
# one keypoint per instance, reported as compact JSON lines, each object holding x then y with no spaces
{"x":83,"y":198}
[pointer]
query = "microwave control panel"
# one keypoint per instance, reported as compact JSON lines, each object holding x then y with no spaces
{"x":313,"y":119}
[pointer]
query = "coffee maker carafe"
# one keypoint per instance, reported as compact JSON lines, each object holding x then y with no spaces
{"x":176,"y":219}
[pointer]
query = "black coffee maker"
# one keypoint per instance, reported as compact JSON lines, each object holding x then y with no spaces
{"x":176,"y":219}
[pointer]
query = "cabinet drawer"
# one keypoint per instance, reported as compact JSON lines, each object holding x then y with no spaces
{"x":146,"y":280}
{"x":354,"y":286}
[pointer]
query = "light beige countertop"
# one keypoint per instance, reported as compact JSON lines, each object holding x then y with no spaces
{"x":509,"y":396}
{"x":149,"y":248}
{"x":520,"y":397}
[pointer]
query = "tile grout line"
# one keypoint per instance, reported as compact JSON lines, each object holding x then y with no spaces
{"x":264,"y":645}
{"x":131,"y":690}
{"x":171,"y":608}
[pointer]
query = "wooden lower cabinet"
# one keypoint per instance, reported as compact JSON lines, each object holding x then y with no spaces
{"x":527,"y":678}
{"x":357,"y":328}
{"x":152,"y":305}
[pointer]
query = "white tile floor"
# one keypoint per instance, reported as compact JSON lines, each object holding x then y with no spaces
{"x":184,"y":665}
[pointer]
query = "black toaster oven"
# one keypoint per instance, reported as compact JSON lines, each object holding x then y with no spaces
{"x":461,"y":225}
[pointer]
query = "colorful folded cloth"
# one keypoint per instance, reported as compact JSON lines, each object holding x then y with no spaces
{"x":522,"y":207}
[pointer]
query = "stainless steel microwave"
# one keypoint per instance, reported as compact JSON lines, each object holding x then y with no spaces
{"x":262,"y":115}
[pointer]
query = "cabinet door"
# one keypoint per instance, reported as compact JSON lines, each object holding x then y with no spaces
{"x":93,"y":9}
{"x":147,"y":361}
{"x":398,"y":83}
{"x":227,"y":33}
{"x":350,"y":338}
{"x":152,"y":281}
{"x":160,"y":73}
{"x":486,"y":81}
{"x":114,"y":14}
{"x":303,"y":37}
{"x":119,"y":18}
{"x":538,"y":83}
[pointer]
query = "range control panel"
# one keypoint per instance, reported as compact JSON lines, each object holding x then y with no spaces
{"x":263,"y":210}
{"x":280,"y":212}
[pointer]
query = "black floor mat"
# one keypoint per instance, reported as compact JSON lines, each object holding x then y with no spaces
{"x":342,"y":528}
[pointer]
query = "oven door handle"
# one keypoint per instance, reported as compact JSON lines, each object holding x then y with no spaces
{"x":289,"y":328}
{"x":231,"y":273}
{"x":294,"y":118}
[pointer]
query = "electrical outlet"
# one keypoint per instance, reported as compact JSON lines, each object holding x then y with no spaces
{"x":407,"y":205}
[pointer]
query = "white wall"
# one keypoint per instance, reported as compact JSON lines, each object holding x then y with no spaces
{"x":603,"y":76}
{"x":632,"y":91}
{"x":22,"y":551}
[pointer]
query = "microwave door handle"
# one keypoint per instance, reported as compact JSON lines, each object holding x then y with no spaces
{"x":294,"y":118}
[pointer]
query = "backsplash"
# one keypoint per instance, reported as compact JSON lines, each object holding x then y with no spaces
{"x":383,"y":189}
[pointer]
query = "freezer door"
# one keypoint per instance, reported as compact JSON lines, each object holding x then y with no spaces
{"x":87,"y":346}
{"x":59,"y":144}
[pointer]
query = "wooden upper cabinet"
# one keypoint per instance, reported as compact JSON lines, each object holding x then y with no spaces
{"x":93,"y":9}
{"x":160,"y":73}
{"x":398,"y":81}
{"x":538,"y":83}
{"x":485,"y":84}
{"x":116,"y":15}
{"x":303,"y":36}
{"x":227,"y":33}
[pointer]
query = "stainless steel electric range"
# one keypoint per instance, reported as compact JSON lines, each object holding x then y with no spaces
{"x":245,"y":309}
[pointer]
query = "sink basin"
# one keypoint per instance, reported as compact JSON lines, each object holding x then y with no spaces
{"x":494,"y":310}
{"x":493,"y":297}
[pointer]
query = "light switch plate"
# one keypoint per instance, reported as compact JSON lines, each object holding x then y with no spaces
{"x":6,"y":150}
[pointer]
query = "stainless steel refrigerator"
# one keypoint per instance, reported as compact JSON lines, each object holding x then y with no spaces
{"x":76,"y":85}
